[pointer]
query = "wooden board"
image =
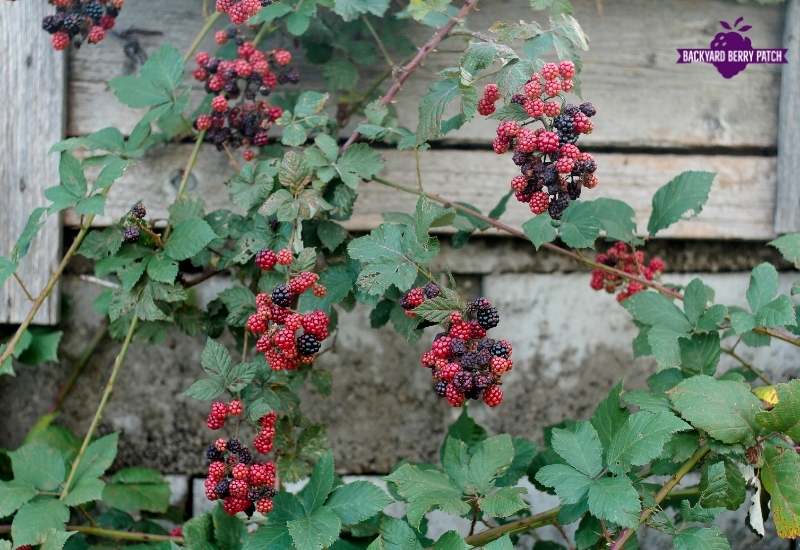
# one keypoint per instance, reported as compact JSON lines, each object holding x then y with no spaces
{"x":740,"y":207}
{"x":787,"y":211}
{"x":644,"y":99}
{"x":31,"y":120}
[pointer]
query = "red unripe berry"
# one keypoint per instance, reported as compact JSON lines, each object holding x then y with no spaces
{"x":526,"y":141}
{"x":264,"y":506}
{"x":539,"y":202}
{"x":441,"y":347}
{"x":202,"y":59}
{"x":210,"y":485}
{"x":219,"y":104}
{"x":567,"y":85}
{"x":485,"y":107}
{"x":219,"y":409}
{"x":508,"y":129}
{"x":552,"y":87}
{"x":221,"y":37}
{"x":570,"y":151}
{"x":454,"y":397}
{"x":319,"y":290}
{"x":220,"y":445}
{"x":566,"y":69}
{"x":519,"y":183}
{"x":493,"y":396}
{"x":96,"y":34}
{"x":216,"y":470}
{"x":248,"y":155}
{"x":500,"y":145}
{"x":108,"y":22}
{"x":547,"y":142}
{"x":203,"y":122}
{"x":285,"y":257}
{"x":282,"y":57}
{"x":448,"y":371}
{"x":215,"y":422}
{"x":262,"y":443}
{"x":60,"y":41}
{"x":491,"y":92}
{"x":241,"y":471}
{"x":583,"y":124}
{"x":590,"y":182}
{"x":551,"y":108}
{"x":233,"y":505}
{"x":549,"y":71}
{"x":534,"y":107}
{"x":235,"y":408}
{"x":564,"y":165}
{"x":533,"y":89}
{"x":597,"y":281}
{"x":500,"y":365}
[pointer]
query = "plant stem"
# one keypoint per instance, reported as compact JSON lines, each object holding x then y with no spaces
{"x":112,"y":534}
{"x":24,"y":288}
{"x":666,"y":291}
{"x":262,"y":32}
{"x":80,"y":365}
{"x":118,"y":361}
{"x":379,"y":42}
{"x":200,"y":35}
{"x":48,"y":289}
{"x":187,"y":171}
{"x":685,"y":468}
{"x":758,"y":372}
{"x":548,"y":517}
{"x":407,"y":70}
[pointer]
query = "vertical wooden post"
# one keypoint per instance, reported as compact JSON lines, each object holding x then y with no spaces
{"x":787,"y":208}
{"x":32,"y":116}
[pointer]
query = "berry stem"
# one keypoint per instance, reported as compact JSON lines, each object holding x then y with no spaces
{"x":665,"y":490}
{"x":201,"y":35}
{"x":408,"y":69}
{"x":666,"y":291}
{"x":118,"y":362}
{"x":758,"y":372}
{"x":187,"y":171}
{"x":112,"y":534}
{"x":379,"y":42}
{"x":24,"y":288}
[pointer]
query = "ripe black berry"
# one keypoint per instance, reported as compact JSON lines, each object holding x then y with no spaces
{"x":488,"y":317}
{"x":482,"y":380}
{"x":458,"y":347}
{"x":557,"y":206}
{"x":138,"y":211}
{"x":93,"y":10}
{"x":130,"y":234}
{"x":213,"y":454}
{"x":570,"y":110}
{"x":308,"y":344}
{"x":431,"y":290}
{"x":499,"y":349}
{"x":440,"y":388}
{"x":52,"y":23}
{"x":244,"y":456}
{"x":282,"y":296}
{"x":588,"y":109}
{"x":234,"y":445}
{"x":463,"y":381}
{"x":563,"y":124}
{"x":222,"y":488}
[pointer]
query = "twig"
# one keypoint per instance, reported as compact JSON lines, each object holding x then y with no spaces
{"x":758,"y":372}
{"x":685,"y":468}
{"x":549,"y":517}
{"x":112,"y":534}
{"x":118,"y":361}
{"x":262,"y":32}
{"x":407,"y":70}
{"x":201,"y":35}
{"x":189,"y":282}
{"x":379,"y":42}
{"x":666,"y":291}
{"x":80,"y":365}
{"x":24,"y":288}
{"x":187,"y":171}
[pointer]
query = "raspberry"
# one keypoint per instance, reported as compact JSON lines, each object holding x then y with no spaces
{"x":552,"y":88}
{"x":266,"y":259}
{"x":235,"y":408}
{"x":60,"y":41}
{"x":282,"y":57}
{"x":454,"y":397}
{"x":493,"y":396}
{"x":282,"y":296}
{"x":547,"y":142}
{"x":241,"y":472}
{"x":307,"y":344}
{"x":285,"y":257}
{"x":539,"y":202}
{"x":566,"y":69}
{"x":526,"y":141}
{"x":564,"y":165}
{"x":500,"y":145}
{"x":219,"y":104}
{"x":551,"y":108}
{"x":549,"y":71}
{"x":491,"y":92}
{"x":264,"y":506}
{"x":587,"y":109}
{"x":533,"y":89}
{"x":508,"y":129}
{"x":485,"y":107}
{"x":216,"y":470}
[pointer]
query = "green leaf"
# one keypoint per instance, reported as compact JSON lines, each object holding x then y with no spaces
{"x":95,"y":204}
{"x":503,"y":543}
{"x":137,"y":489}
{"x":569,"y":484}
{"x":609,"y":416}
{"x":524,"y":451}
{"x":215,"y":359}
{"x":111,"y":172}
{"x":778,"y":312}
{"x":163,"y":269}
{"x":615,"y":499}
{"x":7,"y":269}
{"x":540,"y":230}
{"x":293,"y":171}
{"x":616,"y":218}
{"x":350,"y":10}
{"x":340,"y":74}
{"x":339,"y":280}
{"x":684,"y":193}
{"x":357,"y":501}
{"x":13,"y":495}
{"x":654,"y":309}
{"x":319,"y":486}
{"x":240,"y":303}
{"x":43,"y":346}
{"x":189,"y":238}
{"x":701,"y":538}
{"x":71,"y":173}
{"x":450,"y":541}
{"x":30,"y":230}
{"x":55,"y":539}
{"x":722,"y":486}
{"x":331,"y":234}
{"x":99,"y":456}
{"x":780,"y":475}
{"x":229,"y":531}
{"x":490,"y":458}
{"x":425,"y":490}
{"x":724,"y":408}
{"x":580,"y":447}
{"x":316,"y":531}
{"x":35,"y":519}
{"x":360,"y":161}
{"x":433,"y":104}
{"x":695,"y":300}
{"x":785,"y":415}
{"x":504,"y":502}
{"x":700,"y":353}
{"x":156,"y":83}
{"x":642,"y":439}
{"x":579,"y":225}
{"x":272,"y":535}
{"x":789,"y":247}
{"x":99,"y":244}
{"x":205,"y":389}
{"x":85,"y":490}
{"x":38,"y":465}
{"x":763,"y":286}
{"x":395,"y":534}
{"x":514,"y":75}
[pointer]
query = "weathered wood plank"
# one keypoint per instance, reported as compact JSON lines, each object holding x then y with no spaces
{"x":740,"y":206}
{"x":32,"y":83}
{"x":644,"y":98}
{"x":787,"y":211}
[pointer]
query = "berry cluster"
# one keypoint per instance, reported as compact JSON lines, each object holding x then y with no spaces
{"x":238,"y":118}
{"x":553,"y":169}
{"x":465,"y":363}
{"x":285,"y":337}
{"x":233,"y":477}
{"x":76,"y":21}
{"x":266,"y":433}
{"x":220,"y":412}
{"x":240,"y":11}
{"x":133,"y":224}
{"x":622,"y":257}
{"x":416,"y":296}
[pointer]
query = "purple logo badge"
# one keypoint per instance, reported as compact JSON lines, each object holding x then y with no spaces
{"x":730,"y":52}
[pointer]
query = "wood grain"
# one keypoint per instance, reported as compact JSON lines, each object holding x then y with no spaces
{"x":740,"y":206}
{"x":644,"y":98}
{"x":787,"y":211}
{"x":32,"y":84}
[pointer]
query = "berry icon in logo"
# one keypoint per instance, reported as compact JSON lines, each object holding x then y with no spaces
{"x":731,"y":42}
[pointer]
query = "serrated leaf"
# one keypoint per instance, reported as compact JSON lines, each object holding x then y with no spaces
{"x":188,"y":238}
{"x":721,"y":486}
{"x":293,"y":170}
{"x":579,"y":225}
{"x":696,"y":299}
{"x":432,"y":106}
{"x":162,"y":269}
{"x":780,"y":475}
{"x":157,"y":80}
{"x":450,"y":541}
{"x":540,"y":230}
{"x":215,"y":358}
{"x":425,"y":490}
{"x":503,"y":502}
{"x":350,"y":10}
{"x":654,"y":309}
{"x":331,"y":234}
{"x":357,"y":501}
{"x":580,"y":447}
{"x":779,"y":312}
{"x":609,"y":416}
{"x":785,"y":415}
{"x":316,"y":531}
{"x":359,"y":162}
{"x":319,"y":485}
{"x":688,"y":192}
{"x":725,"y":409}
{"x":490,"y":458}
{"x":569,"y":484}
{"x":642,"y":439}
{"x":616,"y":218}
{"x":99,"y":244}
{"x":615,"y":499}
{"x":515,"y":73}
{"x":13,"y":495}
{"x":789,"y":247}
{"x":137,"y":489}
{"x":38,"y":465}
{"x":763,"y":286}
{"x":700,"y":354}
{"x":99,"y":456}
{"x":701,"y":538}
{"x":36,"y":519}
